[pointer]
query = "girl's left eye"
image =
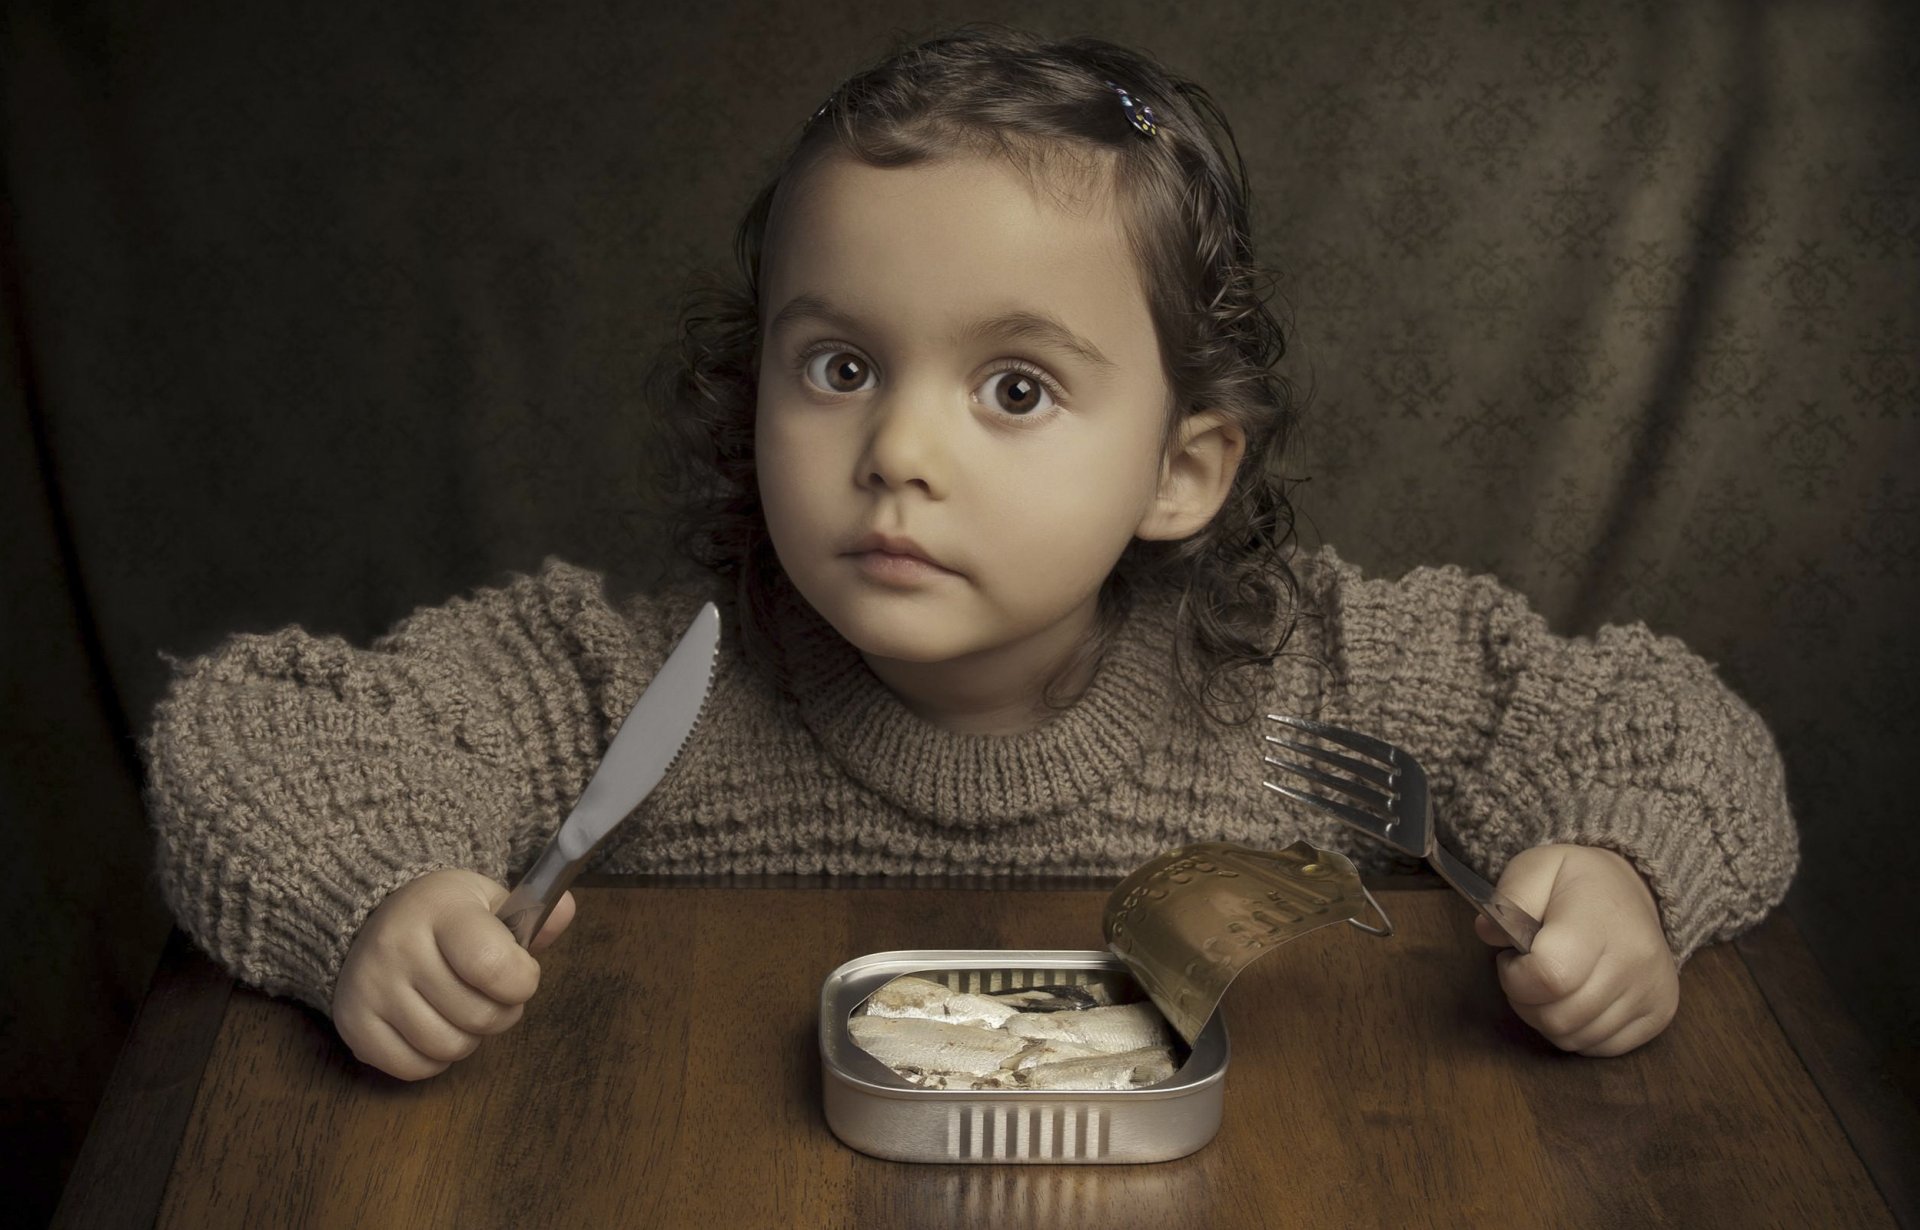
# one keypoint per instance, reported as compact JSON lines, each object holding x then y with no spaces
{"x":1020,"y":394}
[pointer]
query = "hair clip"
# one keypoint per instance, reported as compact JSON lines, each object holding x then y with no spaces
{"x":1139,"y":114}
{"x":825,"y":106}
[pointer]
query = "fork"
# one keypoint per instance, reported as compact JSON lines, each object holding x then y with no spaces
{"x":1389,"y":802}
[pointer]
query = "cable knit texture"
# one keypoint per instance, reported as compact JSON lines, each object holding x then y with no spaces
{"x":296,"y":780}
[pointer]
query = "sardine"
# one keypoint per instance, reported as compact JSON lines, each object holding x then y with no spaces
{"x":1047,"y":1050}
{"x":1126,"y":1070}
{"x":1124,"y":1027}
{"x":924,"y":1046}
{"x":908,"y":997}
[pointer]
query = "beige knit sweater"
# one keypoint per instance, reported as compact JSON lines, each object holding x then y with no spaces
{"x":296,"y":780}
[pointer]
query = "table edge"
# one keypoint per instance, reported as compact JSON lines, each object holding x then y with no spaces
{"x":1397,"y":882}
{"x":1847,"y":1067}
{"x":119,"y":1177}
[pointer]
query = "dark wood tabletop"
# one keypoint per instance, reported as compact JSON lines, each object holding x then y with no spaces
{"x":668,"y":1073}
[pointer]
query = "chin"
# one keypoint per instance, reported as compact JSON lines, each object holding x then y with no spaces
{"x":903,"y":635}
{"x":894,"y":644}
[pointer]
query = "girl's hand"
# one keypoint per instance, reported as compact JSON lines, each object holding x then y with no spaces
{"x":1600,"y":979}
{"x":432,"y":972}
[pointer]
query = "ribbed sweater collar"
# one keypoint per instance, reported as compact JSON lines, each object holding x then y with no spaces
{"x":969,"y":780}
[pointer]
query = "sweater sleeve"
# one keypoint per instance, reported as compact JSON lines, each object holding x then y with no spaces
{"x":294,"y":781}
{"x":1625,"y":740}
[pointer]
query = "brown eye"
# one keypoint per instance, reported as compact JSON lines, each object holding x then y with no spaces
{"x":837,"y":371}
{"x":1017,"y":393}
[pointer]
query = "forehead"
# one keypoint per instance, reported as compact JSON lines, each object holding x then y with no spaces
{"x":938,"y":245}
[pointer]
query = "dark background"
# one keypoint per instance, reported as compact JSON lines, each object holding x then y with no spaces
{"x":314,"y":313}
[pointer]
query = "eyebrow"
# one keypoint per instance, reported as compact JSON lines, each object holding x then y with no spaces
{"x":1021,"y":325}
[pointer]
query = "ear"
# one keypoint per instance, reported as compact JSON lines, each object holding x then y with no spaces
{"x":1195,"y":476}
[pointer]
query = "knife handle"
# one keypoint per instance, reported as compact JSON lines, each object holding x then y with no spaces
{"x":534,"y":897}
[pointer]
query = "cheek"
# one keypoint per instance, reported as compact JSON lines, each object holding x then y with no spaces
{"x":1073,"y":520}
{"x":774,"y":466}
{"x":780,"y":463}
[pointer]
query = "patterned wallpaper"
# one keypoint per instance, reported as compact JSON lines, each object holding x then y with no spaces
{"x":334,"y":311}
{"x":1623,"y":305}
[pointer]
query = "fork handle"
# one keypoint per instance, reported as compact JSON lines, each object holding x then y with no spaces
{"x":1519,"y":926}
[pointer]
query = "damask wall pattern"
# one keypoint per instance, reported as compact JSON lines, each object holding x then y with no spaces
{"x":1624,"y":307}
{"x":324,"y":312}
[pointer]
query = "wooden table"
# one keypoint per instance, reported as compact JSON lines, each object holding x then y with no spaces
{"x":668,"y":1074}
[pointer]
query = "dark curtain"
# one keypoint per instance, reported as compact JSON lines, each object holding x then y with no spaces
{"x":315,"y":313}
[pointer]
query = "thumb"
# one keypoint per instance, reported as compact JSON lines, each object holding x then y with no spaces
{"x":557,"y":922}
{"x":1527,"y":881}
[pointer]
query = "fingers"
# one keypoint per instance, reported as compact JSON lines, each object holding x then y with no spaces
{"x":379,"y":1045}
{"x":464,"y":1008}
{"x":1560,"y":964}
{"x":482,"y":953}
{"x":1604,"y":1034}
{"x":394,"y":1031}
{"x":1565,"y":1018}
{"x":430,"y":1035}
{"x":1638,"y":1030}
{"x":1601,"y":1025}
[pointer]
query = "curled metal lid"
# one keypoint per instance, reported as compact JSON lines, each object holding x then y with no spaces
{"x":1187,"y":922}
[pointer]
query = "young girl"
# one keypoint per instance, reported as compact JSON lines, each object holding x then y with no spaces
{"x":986,"y":454}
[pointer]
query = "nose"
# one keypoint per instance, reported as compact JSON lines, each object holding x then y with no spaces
{"x":905,"y":446}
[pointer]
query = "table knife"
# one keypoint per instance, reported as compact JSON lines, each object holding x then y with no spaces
{"x":641,"y":753}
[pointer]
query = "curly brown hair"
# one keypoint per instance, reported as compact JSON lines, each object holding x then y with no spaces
{"x":988,"y":89}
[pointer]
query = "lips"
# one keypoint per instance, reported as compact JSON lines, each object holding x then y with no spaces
{"x":895,"y":545}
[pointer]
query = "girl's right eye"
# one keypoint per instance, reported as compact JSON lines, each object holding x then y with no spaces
{"x":835,"y":371}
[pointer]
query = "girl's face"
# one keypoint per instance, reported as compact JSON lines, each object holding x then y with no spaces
{"x":961,"y":410}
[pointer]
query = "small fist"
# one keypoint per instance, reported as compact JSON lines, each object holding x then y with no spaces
{"x":1600,"y":979}
{"x":432,"y":972}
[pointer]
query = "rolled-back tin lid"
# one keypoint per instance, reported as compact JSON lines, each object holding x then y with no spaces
{"x":1188,"y":921}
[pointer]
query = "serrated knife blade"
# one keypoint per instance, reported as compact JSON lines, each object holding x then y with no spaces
{"x":642,"y":751}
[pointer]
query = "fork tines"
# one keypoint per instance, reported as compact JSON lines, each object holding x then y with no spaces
{"x":1366,"y":745}
{"x":1370,"y":783}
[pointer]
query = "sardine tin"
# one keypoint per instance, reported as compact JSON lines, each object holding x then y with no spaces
{"x":873,"y":1110}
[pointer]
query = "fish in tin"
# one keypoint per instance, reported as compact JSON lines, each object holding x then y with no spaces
{"x":1065,"y":1038}
{"x":1127,"y":1070}
{"x":922,"y":1046}
{"x":1123,"y":1027}
{"x":922,"y":998}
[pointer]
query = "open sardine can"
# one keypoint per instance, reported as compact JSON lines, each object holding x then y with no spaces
{"x":1178,"y":928}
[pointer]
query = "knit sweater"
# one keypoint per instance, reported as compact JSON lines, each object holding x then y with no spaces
{"x":296,"y":780}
